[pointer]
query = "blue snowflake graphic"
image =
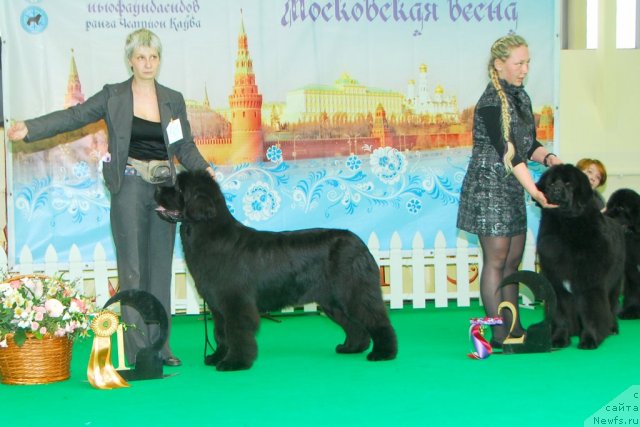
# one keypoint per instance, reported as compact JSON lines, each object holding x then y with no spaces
{"x":353,"y":162}
{"x":274,"y":154}
{"x":414,"y":206}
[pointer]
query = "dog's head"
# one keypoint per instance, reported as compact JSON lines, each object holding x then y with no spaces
{"x":568,"y":187}
{"x":193,"y":198}
{"x":624,"y":206}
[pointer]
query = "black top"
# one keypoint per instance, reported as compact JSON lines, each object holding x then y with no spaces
{"x":147,"y":140}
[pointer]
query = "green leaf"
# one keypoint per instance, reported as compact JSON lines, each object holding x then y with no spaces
{"x":19,"y":337}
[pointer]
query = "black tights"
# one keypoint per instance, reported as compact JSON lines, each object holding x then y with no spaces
{"x":501,"y":257}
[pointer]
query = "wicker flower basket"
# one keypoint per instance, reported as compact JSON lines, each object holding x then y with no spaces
{"x":58,"y":306}
{"x":38,"y":361}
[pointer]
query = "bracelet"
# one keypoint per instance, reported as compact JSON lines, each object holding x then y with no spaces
{"x":544,"y":161}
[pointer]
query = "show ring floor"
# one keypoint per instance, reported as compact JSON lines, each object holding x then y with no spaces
{"x":298,"y":379}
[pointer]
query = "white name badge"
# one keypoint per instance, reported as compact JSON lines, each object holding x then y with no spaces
{"x":174,"y":131}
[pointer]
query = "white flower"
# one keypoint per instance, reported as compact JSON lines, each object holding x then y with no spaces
{"x":39,"y":290}
{"x":54,"y":307}
{"x":42,"y":305}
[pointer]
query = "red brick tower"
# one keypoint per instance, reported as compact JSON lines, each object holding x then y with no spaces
{"x":381,"y":129}
{"x":246,"y":108}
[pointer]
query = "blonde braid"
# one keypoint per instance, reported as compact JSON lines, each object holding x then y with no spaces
{"x":501,"y":49}
{"x":510,"y":150}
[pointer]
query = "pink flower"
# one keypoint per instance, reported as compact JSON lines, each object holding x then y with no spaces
{"x":70,"y":327}
{"x":77,"y":306}
{"x":54,"y":307}
{"x":42,"y":306}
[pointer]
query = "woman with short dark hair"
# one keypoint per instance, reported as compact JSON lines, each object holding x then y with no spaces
{"x":148,"y":128}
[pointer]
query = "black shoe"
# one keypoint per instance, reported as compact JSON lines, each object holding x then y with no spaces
{"x":172,"y":361}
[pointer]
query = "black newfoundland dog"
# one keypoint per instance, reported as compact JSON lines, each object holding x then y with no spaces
{"x":241,"y":272}
{"x":624,"y":206}
{"x":581,"y":252}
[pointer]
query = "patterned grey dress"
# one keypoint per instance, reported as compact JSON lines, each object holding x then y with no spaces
{"x":491,"y":201}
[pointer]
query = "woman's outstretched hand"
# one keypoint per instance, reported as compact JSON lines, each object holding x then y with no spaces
{"x":17,"y":131}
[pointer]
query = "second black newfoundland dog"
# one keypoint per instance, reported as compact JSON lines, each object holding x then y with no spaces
{"x":581,"y":252}
{"x":241,"y":272}
{"x":624,"y":206}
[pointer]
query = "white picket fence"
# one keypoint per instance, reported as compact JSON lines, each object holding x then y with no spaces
{"x":412,"y":275}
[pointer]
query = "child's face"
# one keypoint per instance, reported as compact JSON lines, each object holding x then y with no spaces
{"x":594,"y":176}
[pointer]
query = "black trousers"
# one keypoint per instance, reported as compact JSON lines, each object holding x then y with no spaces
{"x":144,"y":253}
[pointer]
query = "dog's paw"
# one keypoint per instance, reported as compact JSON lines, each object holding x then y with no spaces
{"x":588,"y":342}
{"x":614,"y":329}
{"x":349,"y":349}
{"x":232,"y":365}
{"x":560,"y":342}
{"x":378,"y":356}
{"x":213,"y":359}
{"x":630,"y":313}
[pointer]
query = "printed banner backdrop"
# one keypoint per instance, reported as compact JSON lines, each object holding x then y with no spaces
{"x":333,"y":113}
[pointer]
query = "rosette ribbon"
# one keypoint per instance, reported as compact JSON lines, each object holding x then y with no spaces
{"x":100,"y":372}
{"x":482,"y":348}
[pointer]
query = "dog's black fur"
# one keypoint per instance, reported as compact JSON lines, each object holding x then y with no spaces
{"x":581,"y":252}
{"x":624,"y":206}
{"x":241,"y":272}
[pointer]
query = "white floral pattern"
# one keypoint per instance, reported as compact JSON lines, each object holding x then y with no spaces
{"x":260,"y":202}
{"x":388,"y":164}
{"x":384,"y":191}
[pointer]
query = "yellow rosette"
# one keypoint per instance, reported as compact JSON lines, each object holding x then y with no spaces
{"x":100,"y":372}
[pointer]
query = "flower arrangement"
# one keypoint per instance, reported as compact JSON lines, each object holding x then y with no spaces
{"x":38,"y":306}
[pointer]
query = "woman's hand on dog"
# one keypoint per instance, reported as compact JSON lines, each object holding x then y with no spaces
{"x":521,"y":172}
{"x":211,"y":172}
{"x":539,"y":197}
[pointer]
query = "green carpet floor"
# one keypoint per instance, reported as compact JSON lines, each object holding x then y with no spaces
{"x":298,"y":380}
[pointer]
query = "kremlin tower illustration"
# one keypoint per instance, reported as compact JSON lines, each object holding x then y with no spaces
{"x":319,"y":120}
{"x":65,"y":156}
{"x":246,"y":107}
{"x":235,"y":135}
{"x":74,"y":95}
{"x":314,"y":121}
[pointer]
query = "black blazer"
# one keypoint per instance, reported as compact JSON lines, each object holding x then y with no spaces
{"x":114,"y":104}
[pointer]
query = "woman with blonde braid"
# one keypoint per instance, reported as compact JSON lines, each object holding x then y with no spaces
{"x":492,"y":203}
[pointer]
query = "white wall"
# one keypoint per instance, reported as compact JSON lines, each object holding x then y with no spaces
{"x":599,"y":96}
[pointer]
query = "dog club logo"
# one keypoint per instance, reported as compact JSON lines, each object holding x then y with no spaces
{"x":34,"y":20}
